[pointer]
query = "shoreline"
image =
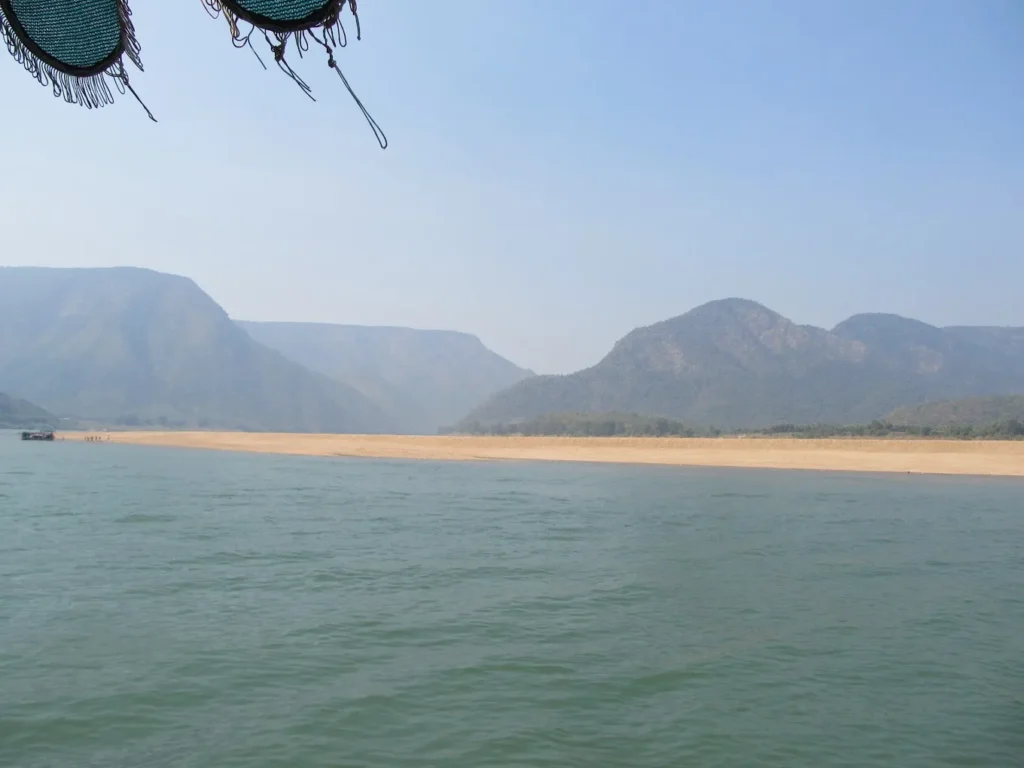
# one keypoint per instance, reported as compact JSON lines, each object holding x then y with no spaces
{"x":927,"y":456}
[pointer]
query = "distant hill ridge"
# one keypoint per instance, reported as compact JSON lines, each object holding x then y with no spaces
{"x":21,"y":414}
{"x":134,"y":347}
{"x":137,"y":347}
{"x":734,"y":363}
{"x":425,"y":378}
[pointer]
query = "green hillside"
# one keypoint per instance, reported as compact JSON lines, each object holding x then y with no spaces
{"x":735,"y":364}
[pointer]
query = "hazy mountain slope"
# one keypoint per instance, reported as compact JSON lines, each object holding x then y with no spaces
{"x":1005,"y":341}
{"x":133,"y":345}
{"x":965,"y":412}
{"x":21,"y":414}
{"x":933,"y":363}
{"x":425,"y":379}
{"x":735,"y":363}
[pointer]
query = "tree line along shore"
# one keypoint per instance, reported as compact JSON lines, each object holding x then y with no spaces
{"x":635,"y":425}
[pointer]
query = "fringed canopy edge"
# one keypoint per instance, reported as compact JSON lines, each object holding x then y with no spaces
{"x":87,"y":86}
{"x":322,"y":27}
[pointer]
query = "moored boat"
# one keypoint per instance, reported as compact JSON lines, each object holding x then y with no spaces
{"x":37,"y":435}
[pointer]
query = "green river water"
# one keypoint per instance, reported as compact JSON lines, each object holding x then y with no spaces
{"x":161,"y":607}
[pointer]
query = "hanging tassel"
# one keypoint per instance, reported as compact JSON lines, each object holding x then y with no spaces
{"x":85,"y":86}
{"x":326,"y":20}
{"x":378,"y":133}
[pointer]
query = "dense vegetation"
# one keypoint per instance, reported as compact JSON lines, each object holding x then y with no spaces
{"x":1010,"y":429}
{"x":588,"y":425}
{"x":632,"y":425}
{"x":969,"y":411}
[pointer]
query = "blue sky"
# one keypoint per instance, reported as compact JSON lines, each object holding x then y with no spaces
{"x":559,"y":172}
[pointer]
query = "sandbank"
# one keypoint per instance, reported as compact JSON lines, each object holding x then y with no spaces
{"x":951,"y":457}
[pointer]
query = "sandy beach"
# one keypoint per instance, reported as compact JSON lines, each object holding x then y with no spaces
{"x":950,"y":457}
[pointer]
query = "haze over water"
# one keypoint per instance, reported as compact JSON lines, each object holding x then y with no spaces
{"x":174,"y":608}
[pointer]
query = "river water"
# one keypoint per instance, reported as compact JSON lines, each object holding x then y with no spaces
{"x":162,"y":607}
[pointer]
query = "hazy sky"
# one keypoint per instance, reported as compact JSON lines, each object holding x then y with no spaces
{"x":560,"y":171}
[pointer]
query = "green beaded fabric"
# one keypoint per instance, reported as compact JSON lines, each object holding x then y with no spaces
{"x":78,"y":47}
{"x":302,"y":23}
{"x":287,"y":15}
{"x":75,"y":46}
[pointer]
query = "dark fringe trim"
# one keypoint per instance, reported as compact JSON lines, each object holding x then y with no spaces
{"x":331,"y":35}
{"x":93,"y":91}
{"x":132,"y":49}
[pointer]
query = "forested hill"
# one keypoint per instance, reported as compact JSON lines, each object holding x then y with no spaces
{"x":737,"y":364}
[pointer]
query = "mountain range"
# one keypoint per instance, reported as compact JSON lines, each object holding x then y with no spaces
{"x":734,"y":363}
{"x":134,"y":347}
{"x":130,"y":346}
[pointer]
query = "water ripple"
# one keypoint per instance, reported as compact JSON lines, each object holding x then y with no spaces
{"x":167,"y":608}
